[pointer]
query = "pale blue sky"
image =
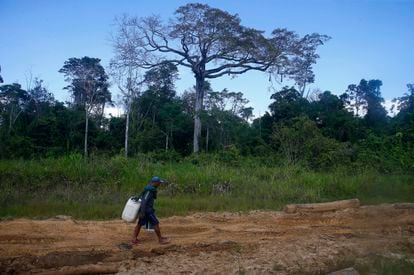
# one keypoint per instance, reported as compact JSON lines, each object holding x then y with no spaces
{"x":370,"y":39}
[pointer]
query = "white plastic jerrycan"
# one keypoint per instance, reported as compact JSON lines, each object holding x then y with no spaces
{"x":131,"y":209}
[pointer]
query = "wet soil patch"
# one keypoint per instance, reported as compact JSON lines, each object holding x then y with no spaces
{"x":50,"y":260}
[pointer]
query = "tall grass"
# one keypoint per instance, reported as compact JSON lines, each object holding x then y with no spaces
{"x":99,"y":187}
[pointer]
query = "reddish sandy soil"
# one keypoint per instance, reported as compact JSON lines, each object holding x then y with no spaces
{"x":255,"y":242}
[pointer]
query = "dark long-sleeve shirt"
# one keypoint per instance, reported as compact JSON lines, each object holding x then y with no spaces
{"x":150,"y":194}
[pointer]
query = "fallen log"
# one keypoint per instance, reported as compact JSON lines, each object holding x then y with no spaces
{"x":404,"y":205}
{"x":321,"y":207}
{"x":84,"y":269}
{"x":346,"y":271}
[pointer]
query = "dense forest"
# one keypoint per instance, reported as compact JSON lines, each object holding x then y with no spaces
{"x":321,"y":130}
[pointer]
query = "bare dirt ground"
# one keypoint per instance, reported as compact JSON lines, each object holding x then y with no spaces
{"x":255,"y":242}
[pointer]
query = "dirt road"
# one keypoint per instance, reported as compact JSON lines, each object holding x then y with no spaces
{"x":255,"y":242}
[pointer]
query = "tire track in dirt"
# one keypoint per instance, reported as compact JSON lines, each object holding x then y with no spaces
{"x":254,"y":242}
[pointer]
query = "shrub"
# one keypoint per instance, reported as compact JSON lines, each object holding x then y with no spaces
{"x":300,"y":140}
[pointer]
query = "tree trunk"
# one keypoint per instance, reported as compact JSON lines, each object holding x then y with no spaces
{"x":102,"y":115}
{"x":85,"y":152}
{"x":260,"y":126}
{"x":126,"y":133}
{"x":321,"y":207}
{"x":207,"y":136}
{"x":10,"y":121}
{"x":221,"y":136}
{"x":198,"y":109}
{"x":171,"y":136}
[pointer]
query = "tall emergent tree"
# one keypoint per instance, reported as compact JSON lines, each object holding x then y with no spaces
{"x":406,"y":102}
{"x":129,"y":81}
{"x":213,"y":43}
{"x":13,"y":102}
{"x":159,"y":99}
{"x":366,"y":98}
{"x":88,"y":85}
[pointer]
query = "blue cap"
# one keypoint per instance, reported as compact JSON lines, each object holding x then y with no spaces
{"x":157,"y":179}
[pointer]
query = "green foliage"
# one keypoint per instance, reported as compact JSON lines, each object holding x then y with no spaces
{"x":389,"y":154}
{"x":288,"y":103}
{"x":99,"y":187}
{"x":230,"y":155}
{"x":366,"y":98}
{"x":320,"y":134}
{"x":162,"y":79}
{"x":300,"y":140}
{"x":88,"y":81}
{"x":334,"y":120}
{"x":300,"y":151}
{"x":13,"y":102}
{"x":406,"y":102}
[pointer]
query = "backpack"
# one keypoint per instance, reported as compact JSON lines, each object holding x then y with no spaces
{"x":144,"y":199}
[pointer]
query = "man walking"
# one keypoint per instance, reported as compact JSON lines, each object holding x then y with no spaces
{"x":147,"y":211}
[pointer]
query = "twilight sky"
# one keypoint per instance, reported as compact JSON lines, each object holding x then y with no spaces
{"x":371,"y":39}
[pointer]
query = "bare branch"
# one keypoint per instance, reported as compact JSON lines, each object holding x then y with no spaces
{"x":244,"y":69}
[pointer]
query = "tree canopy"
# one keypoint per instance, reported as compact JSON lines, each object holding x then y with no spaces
{"x":88,"y":86}
{"x":213,"y":43}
